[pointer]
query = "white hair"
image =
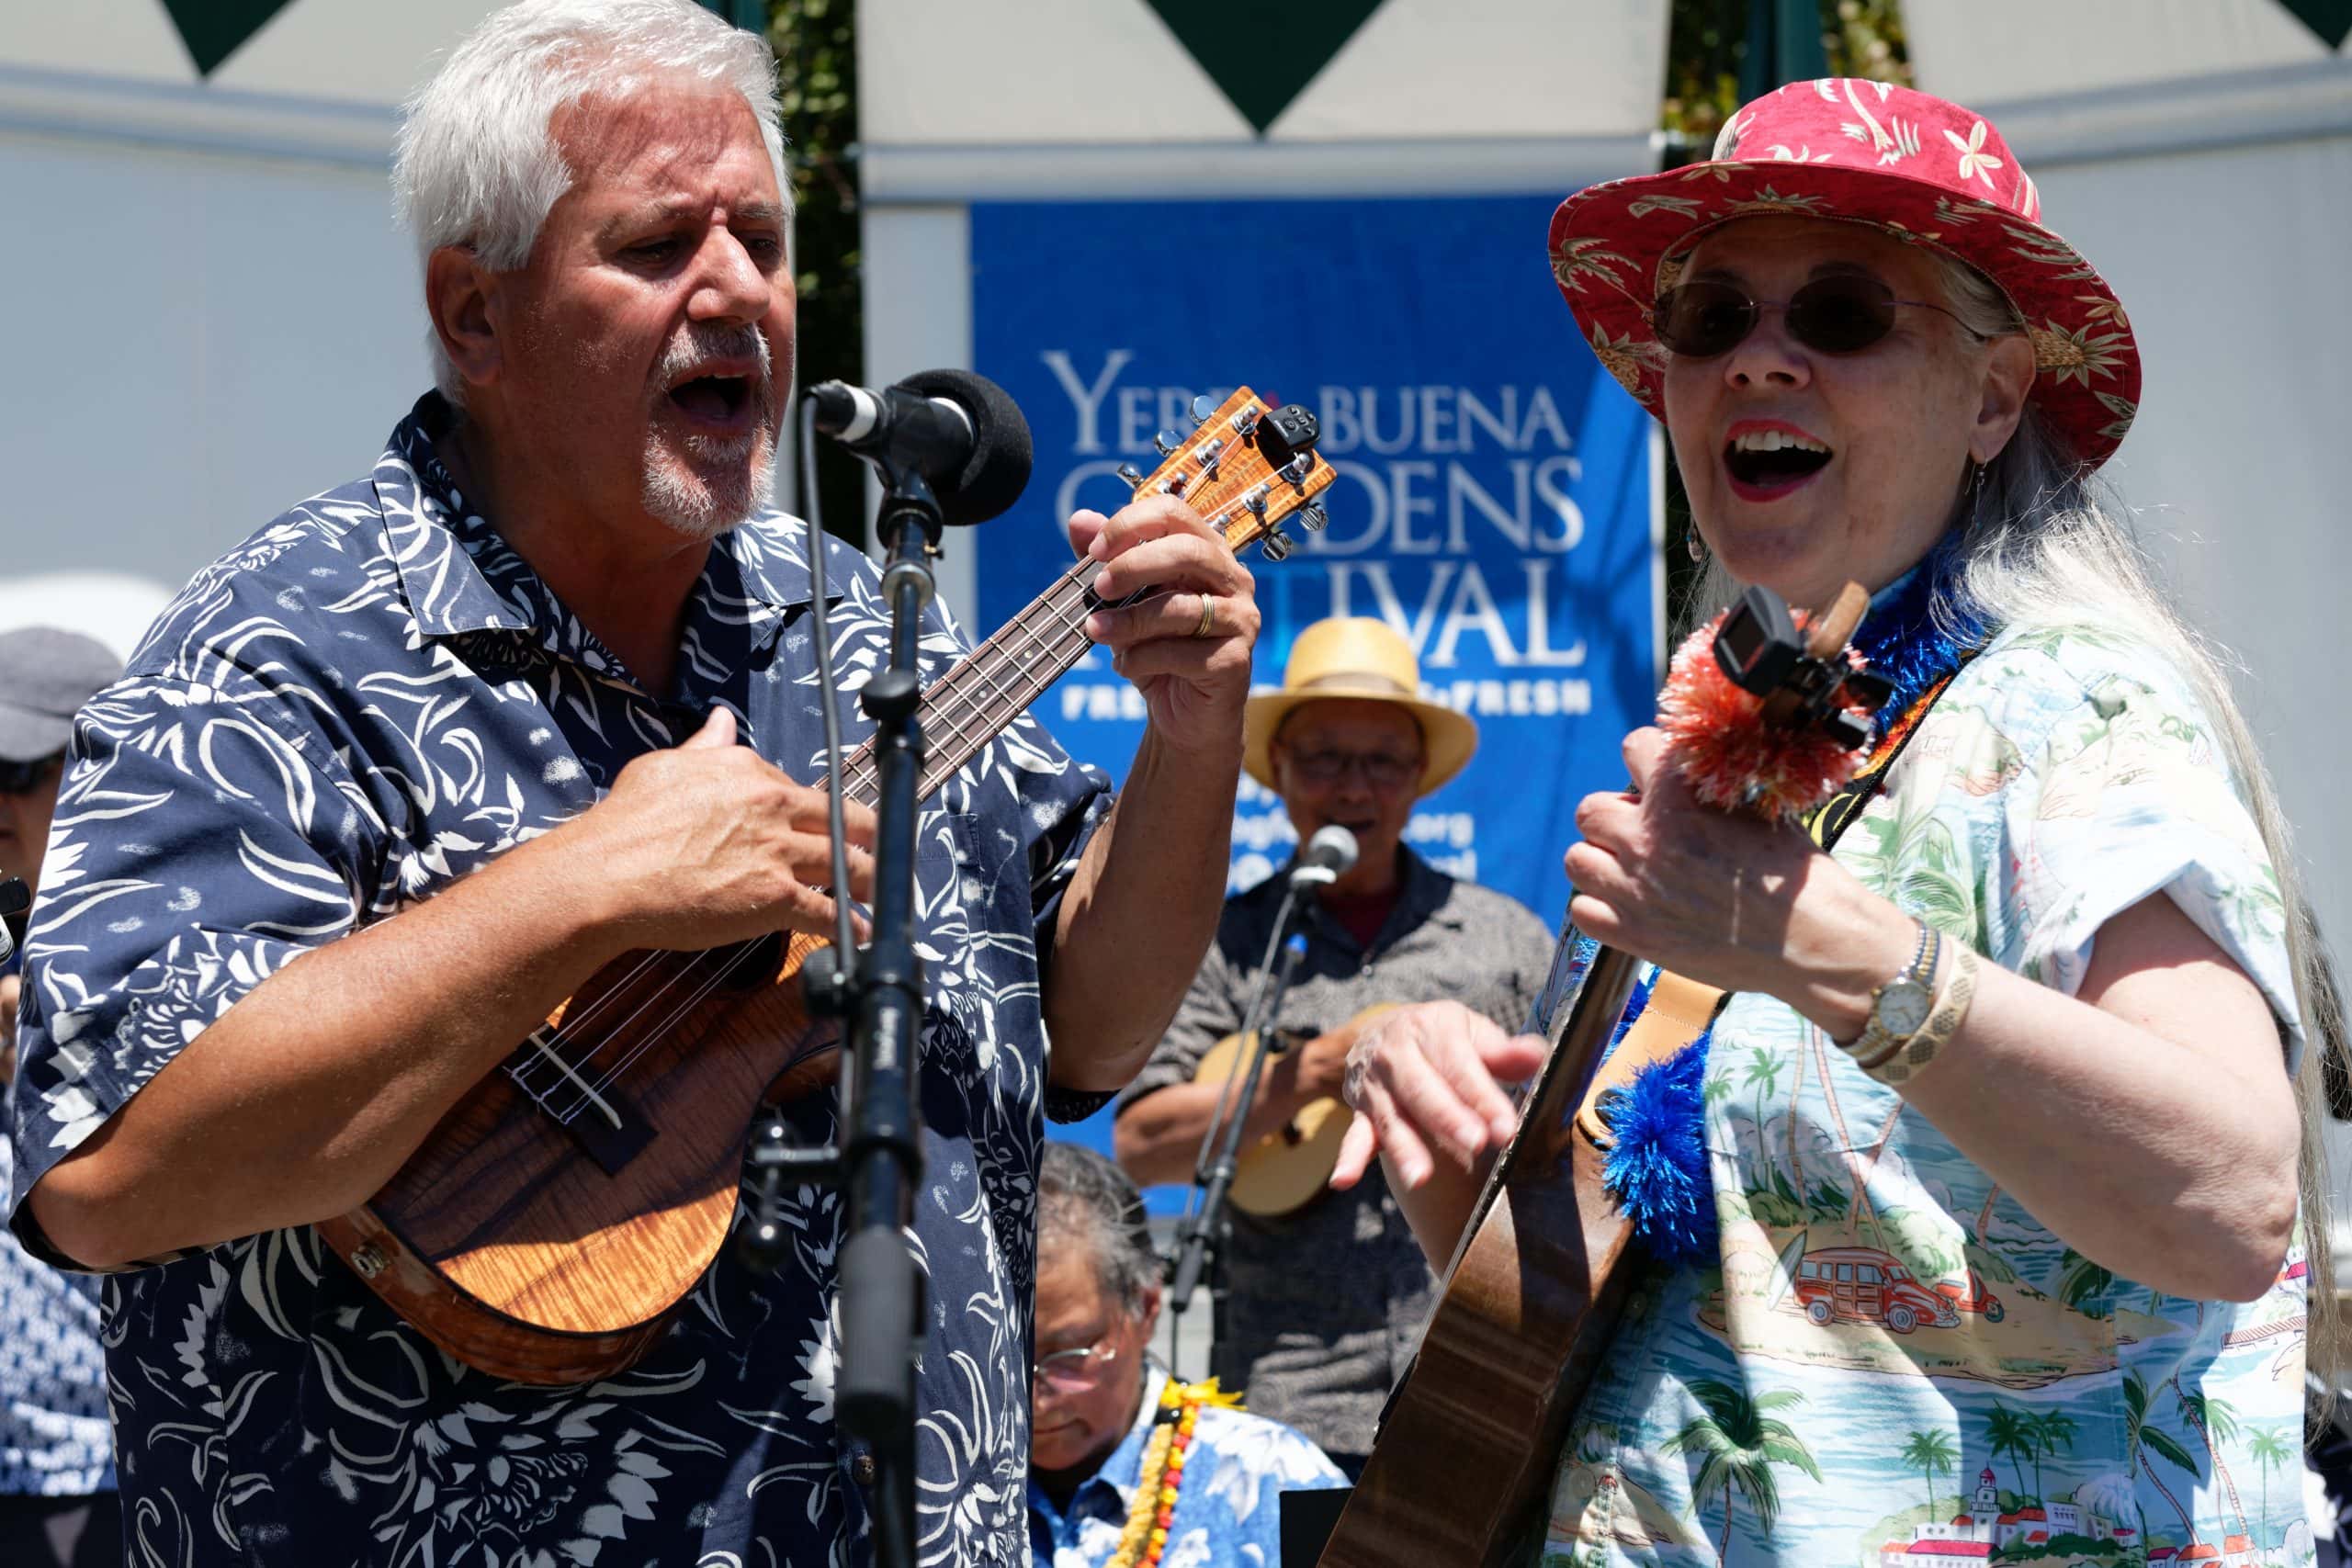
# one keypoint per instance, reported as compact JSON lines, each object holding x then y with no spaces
{"x":2047,"y":545}
{"x":2043,"y":543}
{"x":476,"y":165}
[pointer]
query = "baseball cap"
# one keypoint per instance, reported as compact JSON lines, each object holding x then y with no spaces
{"x":46,"y":674}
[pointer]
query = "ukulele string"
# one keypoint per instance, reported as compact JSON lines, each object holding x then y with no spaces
{"x":575,"y":1070}
{"x":981,"y":675}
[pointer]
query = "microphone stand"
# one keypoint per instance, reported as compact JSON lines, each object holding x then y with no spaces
{"x":1202,"y":1238}
{"x":878,"y":993}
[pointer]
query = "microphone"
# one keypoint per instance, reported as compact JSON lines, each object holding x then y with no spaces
{"x":1328,"y":857}
{"x":962,"y":432}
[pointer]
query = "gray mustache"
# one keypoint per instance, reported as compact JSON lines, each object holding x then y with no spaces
{"x":701,"y":343}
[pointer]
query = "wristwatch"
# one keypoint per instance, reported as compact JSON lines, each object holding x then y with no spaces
{"x":1901,"y":1005}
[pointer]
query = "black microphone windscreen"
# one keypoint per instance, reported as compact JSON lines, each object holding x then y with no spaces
{"x":1002,"y":453}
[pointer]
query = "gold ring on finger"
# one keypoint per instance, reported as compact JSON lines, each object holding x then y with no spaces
{"x":1209,"y":615}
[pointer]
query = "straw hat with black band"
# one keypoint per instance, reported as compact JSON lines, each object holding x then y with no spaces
{"x":1360,"y":659}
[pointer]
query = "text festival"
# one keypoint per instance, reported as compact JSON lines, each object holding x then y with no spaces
{"x":1491,"y":531}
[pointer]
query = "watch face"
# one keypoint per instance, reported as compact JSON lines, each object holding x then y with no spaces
{"x":1902,"y":1007}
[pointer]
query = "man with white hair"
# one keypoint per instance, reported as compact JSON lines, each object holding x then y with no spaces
{"x":398,"y":775}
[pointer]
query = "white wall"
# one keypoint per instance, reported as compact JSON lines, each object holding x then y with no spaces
{"x":2239,"y":467}
{"x":193,"y":341}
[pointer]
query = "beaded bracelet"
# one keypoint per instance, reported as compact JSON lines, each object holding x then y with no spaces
{"x":1911,"y":1056}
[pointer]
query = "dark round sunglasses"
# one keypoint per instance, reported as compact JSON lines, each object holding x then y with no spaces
{"x":1830,"y":315}
{"x":16,"y":777}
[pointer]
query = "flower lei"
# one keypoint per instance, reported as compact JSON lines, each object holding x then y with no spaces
{"x":1154,"y":1510}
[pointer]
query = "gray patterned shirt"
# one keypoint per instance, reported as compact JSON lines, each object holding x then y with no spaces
{"x":1324,"y":1304}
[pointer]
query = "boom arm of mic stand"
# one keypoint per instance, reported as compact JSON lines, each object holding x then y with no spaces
{"x":1200,"y":1237}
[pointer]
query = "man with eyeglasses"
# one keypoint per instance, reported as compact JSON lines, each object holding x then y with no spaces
{"x":1324,"y":1305}
{"x":1119,"y":1449}
{"x":58,"y":1503}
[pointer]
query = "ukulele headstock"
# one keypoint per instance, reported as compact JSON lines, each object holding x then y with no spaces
{"x":1802,"y":673}
{"x":1245,"y":468}
{"x":1767,"y":711}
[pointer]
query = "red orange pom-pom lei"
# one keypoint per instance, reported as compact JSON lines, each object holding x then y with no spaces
{"x":1717,"y":741}
{"x":1154,"y":1510}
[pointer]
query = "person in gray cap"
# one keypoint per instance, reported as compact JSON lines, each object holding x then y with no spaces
{"x":45,"y":674}
{"x":58,"y":1503}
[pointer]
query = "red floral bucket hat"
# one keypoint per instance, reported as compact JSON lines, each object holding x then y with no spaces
{"x":1927,"y":172}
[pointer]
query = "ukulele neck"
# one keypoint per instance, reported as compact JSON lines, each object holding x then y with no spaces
{"x":983,"y":694}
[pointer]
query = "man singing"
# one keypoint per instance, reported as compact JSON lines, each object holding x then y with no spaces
{"x":1325,"y":1303}
{"x":396,"y":775}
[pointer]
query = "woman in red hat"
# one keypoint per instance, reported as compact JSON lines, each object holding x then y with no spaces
{"x":2009,"y":1114}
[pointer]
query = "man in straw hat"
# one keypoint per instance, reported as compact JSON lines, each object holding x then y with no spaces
{"x":2016,"y":1065}
{"x":1325,"y":1302}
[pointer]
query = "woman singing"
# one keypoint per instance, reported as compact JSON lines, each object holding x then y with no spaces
{"x":2008,"y":1112}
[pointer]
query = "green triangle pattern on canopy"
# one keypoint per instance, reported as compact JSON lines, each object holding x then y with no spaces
{"x":1263,"y":56}
{"x":215,"y":29}
{"x":2332,"y":20}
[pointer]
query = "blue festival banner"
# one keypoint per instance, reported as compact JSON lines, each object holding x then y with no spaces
{"x":1494,"y":500}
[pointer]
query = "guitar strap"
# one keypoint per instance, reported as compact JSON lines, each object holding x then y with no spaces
{"x":1680,"y":1011}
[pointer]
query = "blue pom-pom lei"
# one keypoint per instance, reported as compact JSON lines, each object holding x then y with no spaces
{"x":1657,"y":1165}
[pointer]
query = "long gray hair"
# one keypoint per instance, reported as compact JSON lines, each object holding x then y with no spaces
{"x":2044,"y":544}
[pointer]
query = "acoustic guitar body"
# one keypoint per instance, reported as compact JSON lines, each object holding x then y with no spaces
{"x":1469,"y":1442}
{"x":546,"y":1238}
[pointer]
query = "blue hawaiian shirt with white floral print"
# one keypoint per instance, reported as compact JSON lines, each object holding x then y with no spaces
{"x":1228,"y":1505}
{"x":367,"y":698}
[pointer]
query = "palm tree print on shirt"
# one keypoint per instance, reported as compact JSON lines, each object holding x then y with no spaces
{"x":2013,"y":1434}
{"x":1931,"y":1455}
{"x":1741,"y":1445}
{"x":2216,"y":1421}
{"x":2142,"y":1437}
{"x":2272,"y":1453}
{"x":2053,"y":1431}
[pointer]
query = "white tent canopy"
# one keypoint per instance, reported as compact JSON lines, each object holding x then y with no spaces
{"x":214,"y":317}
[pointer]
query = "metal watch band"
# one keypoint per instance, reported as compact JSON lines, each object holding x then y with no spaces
{"x":1873,"y":1043}
{"x":1911,"y":1057}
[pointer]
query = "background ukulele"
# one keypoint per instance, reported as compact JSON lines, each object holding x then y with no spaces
{"x":546,"y":1228}
{"x":1290,"y":1167}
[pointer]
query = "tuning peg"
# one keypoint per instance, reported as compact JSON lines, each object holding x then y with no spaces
{"x":1131,"y":475}
{"x":1298,"y":468}
{"x":1314,"y":516}
{"x":1167,"y":441}
{"x":1202,"y":406}
{"x":1245,"y":422}
{"x":1276,"y":545}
